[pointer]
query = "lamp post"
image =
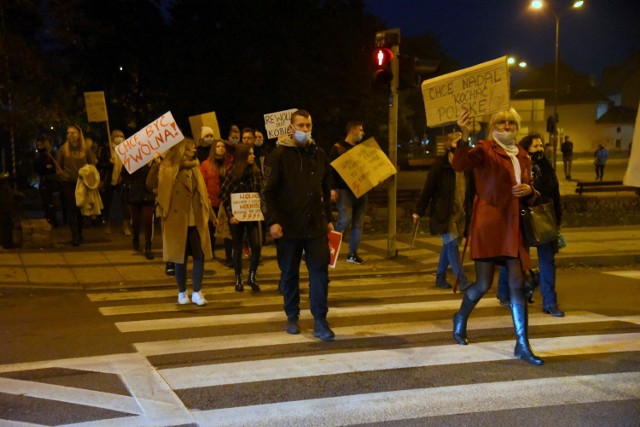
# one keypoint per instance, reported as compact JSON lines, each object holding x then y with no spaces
{"x":539,"y":4}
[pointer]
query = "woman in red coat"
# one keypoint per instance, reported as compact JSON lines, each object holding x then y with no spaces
{"x":502,"y":172}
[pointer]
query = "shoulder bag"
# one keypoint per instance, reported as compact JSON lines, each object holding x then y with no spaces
{"x":538,"y":223}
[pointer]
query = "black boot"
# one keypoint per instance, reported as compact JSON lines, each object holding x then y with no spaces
{"x":147,"y":251}
{"x":460,"y":320}
{"x":239,"y":285}
{"x":521,"y":326}
{"x":252,"y":282}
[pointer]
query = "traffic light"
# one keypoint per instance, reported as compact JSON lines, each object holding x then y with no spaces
{"x":413,"y":70}
{"x":382,"y":74}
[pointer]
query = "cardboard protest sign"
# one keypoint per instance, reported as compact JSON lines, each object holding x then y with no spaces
{"x":335,"y":241}
{"x":157,"y":137}
{"x":364,"y":167}
{"x":632,"y":175}
{"x":277,"y":124}
{"x":96,"y":106}
{"x":246,"y":206}
{"x":206,"y":119}
{"x":481,"y":89}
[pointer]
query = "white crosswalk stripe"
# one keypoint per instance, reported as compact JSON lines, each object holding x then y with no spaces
{"x":191,"y":361}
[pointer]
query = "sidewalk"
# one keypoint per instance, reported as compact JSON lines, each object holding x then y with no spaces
{"x":106,"y":261}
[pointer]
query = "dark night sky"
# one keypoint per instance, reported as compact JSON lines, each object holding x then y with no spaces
{"x":600,"y":34}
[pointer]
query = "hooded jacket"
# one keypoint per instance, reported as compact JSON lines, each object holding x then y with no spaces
{"x":298,"y":189}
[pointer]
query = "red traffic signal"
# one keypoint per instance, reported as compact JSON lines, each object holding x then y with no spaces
{"x":383,"y":57}
{"x":382,"y":74}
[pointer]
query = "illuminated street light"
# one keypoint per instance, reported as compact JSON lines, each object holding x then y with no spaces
{"x":511,"y":60}
{"x":539,"y":4}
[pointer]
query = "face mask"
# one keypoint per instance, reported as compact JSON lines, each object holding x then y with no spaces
{"x":504,"y":137}
{"x":302,"y":137}
{"x":258,"y":143}
{"x":537,"y":156}
{"x":358,"y":138}
{"x":452,"y":149}
{"x":208,"y":140}
{"x":118,"y":140}
{"x":234,"y":140}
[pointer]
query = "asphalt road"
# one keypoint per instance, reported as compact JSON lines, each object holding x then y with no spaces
{"x":136,"y":358}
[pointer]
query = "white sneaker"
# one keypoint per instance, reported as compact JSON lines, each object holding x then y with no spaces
{"x":198,"y":298}
{"x":183,"y":298}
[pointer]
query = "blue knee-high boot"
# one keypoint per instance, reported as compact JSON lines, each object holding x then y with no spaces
{"x":521,"y":327}
{"x":460,"y":320}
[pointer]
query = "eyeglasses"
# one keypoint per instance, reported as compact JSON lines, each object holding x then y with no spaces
{"x":503,"y":123}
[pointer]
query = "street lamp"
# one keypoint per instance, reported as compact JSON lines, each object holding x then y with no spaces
{"x":539,"y":4}
{"x":512,"y":60}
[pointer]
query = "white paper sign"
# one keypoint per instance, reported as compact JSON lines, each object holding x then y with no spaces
{"x":246,"y":207}
{"x":157,"y":137}
{"x":277,"y":124}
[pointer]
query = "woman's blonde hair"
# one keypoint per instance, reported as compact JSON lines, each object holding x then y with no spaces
{"x":510,"y":114}
{"x":451,"y":138}
{"x":176,"y":153}
{"x":82,"y":146}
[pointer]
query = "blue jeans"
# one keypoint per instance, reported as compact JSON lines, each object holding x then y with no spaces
{"x":351,"y":209}
{"x":194,"y":249}
{"x":547,"y":266}
{"x":449,"y":255}
{"x":289,"y":253}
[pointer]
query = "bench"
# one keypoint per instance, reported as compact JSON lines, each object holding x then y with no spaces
{"x":602,"y":186}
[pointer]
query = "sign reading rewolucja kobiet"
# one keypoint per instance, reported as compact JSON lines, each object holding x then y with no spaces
{"x":156,"y":137}
{"x":482,"y":89}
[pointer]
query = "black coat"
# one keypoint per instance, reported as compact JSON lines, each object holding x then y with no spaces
{"x":135,"y":186}
{"x":438,"y":196}
{"x":546,"y":182}
{"x":298,"y":190}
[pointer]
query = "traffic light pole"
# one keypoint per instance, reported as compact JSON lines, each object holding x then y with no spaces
{"x":392,"y":252}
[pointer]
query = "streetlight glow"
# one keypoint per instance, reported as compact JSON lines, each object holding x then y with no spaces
{"x":538,"y":4}
{"x":511,"y":60}
{"x":522,"y":64}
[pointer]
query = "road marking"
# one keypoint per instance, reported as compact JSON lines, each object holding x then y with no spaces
{"x":248,"y":302}
{"x":431,"y":402}
{"x":631,"y":274}
{"x":151,"y":397}
{"x":228,"y":342}
{"x":274,"y":316}
{"x":397,"y":358}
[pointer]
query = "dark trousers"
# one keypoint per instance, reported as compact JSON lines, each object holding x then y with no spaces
{"x":253,"y":233}
{"x":73,"y":212}
{"x":599,"y":172}
{"x":142,"y":219}
{"x":289,"y":251}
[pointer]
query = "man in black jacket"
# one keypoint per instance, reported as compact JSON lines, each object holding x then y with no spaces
{"x":449,"y":196}
{"x":298,"y":212}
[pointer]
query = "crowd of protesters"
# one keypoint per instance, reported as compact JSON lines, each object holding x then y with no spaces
{"x":192,"y":188}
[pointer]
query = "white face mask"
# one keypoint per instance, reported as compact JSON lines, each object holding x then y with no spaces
{"x":504,"y":137}
{"x":118,"y":140}
{"x":258,"y":143}
{"x":301,"y":137}
{"x":207,"y":140}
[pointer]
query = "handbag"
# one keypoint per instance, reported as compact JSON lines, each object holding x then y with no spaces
{"x":538,"y":224}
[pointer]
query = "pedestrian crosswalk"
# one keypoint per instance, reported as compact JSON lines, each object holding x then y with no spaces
{"x":393,"y":361}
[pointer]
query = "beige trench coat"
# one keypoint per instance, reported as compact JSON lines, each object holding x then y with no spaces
{"x":174,"y":197}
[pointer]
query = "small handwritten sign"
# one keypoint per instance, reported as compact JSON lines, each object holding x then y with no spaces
{"x":481,"y":89}
{"x":96,"y":107}
{"x":157,"y":137}
{"x":277,"y":124}
{"x":364,"y":167}
{"x":246,"y":207}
